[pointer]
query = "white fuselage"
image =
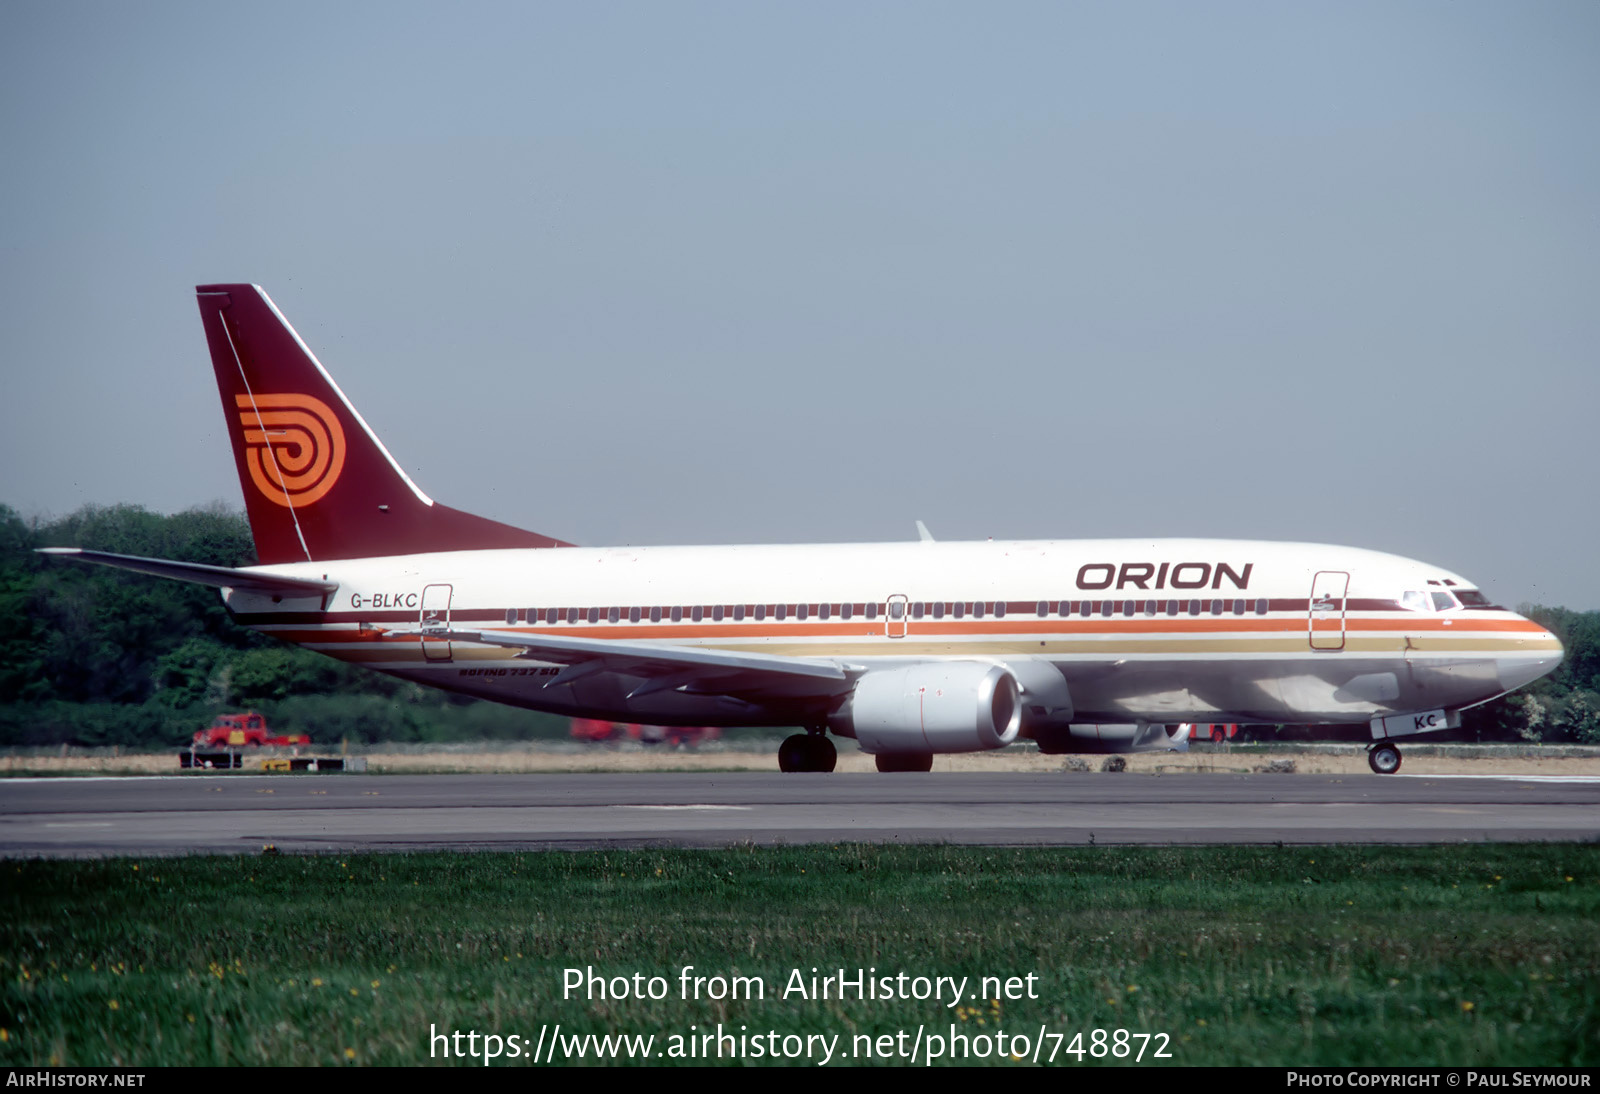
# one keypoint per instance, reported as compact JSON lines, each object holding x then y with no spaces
{"x":1171,"y":630}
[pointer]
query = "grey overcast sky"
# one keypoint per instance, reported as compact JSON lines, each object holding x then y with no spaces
{"x":757,"y":272}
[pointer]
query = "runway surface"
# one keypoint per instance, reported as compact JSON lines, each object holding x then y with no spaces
{"x":239,"y":814}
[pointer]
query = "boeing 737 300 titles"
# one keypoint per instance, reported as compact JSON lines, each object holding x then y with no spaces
{"x":912,"y":648}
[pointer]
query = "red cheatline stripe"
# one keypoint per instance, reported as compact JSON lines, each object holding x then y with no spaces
{"x":1019,"y":613}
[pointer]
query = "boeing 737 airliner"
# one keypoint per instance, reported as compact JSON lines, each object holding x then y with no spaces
{"x":912,"y":648}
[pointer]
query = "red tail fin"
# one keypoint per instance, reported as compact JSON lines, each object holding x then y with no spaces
{"x":318,"y":484}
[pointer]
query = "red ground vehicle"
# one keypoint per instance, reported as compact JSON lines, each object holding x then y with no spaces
{"x":247,"y":729}
{"x":595,"y":730}
{"x":1213,"y":731}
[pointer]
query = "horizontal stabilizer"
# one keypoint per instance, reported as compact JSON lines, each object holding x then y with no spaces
{"x":223,"y":577}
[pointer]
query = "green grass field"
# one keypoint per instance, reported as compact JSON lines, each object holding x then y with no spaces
{"x":1458,"y":955}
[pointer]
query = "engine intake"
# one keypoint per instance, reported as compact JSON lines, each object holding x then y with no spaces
{"x":953,"y":706}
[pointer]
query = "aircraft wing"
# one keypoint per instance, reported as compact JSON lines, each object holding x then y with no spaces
{"x":665,"y":667}
{"x":223,"y":577}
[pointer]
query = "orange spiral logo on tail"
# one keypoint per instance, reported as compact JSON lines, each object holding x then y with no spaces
{"x":294,"y":447}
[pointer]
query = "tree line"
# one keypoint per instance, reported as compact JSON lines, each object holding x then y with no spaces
{"x":92,"y":656}
{"x":95,"y":656}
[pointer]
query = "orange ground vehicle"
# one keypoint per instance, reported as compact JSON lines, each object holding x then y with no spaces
{"x":244,"y":730}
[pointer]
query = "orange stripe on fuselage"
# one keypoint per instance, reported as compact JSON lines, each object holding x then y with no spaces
{"x":926,"y":632}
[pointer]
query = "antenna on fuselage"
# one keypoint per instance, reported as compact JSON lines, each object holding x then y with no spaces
{"x":923,"y":534}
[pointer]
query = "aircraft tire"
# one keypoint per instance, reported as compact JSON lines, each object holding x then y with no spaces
{"x":1383,"y":759}
{"x":904,"y":761}
{"x":820,"y":753}
{"x":794,"y":753}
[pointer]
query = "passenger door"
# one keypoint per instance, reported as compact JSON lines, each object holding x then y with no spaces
{"x":435,"y":614}
{"x":1326,"y":617}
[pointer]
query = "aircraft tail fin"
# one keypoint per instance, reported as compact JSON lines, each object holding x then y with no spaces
{"x":318,"y":484}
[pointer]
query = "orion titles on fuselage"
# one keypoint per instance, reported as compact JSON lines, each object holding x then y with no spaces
{"x":1153,"y":575}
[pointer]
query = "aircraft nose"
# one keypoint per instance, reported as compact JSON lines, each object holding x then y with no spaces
{"x":1537,"y":653}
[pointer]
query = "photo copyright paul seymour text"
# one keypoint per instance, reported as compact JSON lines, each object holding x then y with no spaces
{"x":1438,"y":1079}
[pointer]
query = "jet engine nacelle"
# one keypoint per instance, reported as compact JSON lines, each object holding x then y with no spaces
{"x":1118,"y":737}
{"x":956,"y":706}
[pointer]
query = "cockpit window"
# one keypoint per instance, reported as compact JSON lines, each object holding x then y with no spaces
{"x":1472,"y":598}
{"x":1443,"y":602}
{"x":1414,"y":600}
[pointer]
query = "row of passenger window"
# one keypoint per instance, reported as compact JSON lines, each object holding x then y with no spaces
{"x":1086,"y":608}
{"x":897,"y":610}
{"x":695,"y":613}
{"x":1212,"y":606}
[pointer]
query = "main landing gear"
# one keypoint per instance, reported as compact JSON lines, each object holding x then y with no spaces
{"x":807,"y":752}
{"x":1384,"y":759}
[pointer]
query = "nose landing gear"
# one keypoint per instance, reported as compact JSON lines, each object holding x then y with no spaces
{"x":1384,"y":759}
